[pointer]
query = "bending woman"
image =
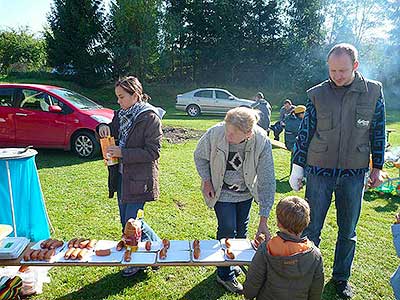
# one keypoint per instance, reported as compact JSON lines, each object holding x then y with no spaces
{"x":234,"y":161}
{"x":137,"y":128}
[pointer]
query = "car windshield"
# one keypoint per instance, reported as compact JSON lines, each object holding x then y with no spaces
{"x":76,"y":99}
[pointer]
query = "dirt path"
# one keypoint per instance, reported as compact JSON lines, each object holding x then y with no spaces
{"x":175,"y":135}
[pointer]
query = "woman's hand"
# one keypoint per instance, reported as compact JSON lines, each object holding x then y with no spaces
{"x":104,"y":131}
{"x":114,"y":151}
{"x":263,"y":228}
{"x":208,"y":189}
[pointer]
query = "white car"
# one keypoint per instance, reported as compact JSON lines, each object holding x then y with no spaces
{"x":209,"y":100}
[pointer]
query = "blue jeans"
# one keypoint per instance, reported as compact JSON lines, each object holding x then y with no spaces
{"x":129,"y":210}
{"x":233,"y":221}
{"x":349,"y":192}
{"x":395,"y":283}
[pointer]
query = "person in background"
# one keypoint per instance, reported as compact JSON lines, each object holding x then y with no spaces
{"x":288,"y":266}
{"x":292,"y":126}
{"x":234,"y":161}
{"x":285,"y":110}
{"x":137,"y":128}
{"x":343,"y":125}
{"x":265,"y":111}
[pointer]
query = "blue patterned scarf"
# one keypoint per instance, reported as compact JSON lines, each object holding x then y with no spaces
{"x":126,"y":119}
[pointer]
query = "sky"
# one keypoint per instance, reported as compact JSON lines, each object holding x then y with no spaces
{"x":21,"y":13}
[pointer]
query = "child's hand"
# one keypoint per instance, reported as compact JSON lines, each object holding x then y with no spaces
{"x":397,"y":218}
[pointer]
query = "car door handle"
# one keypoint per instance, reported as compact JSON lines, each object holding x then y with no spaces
{"x":21,"y":114}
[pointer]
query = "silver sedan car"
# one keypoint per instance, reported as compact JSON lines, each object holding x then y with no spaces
{"x":209,"y":101}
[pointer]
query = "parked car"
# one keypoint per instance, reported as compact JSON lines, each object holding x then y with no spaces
{"x":209,"y":100}
{"x":49,"y":117}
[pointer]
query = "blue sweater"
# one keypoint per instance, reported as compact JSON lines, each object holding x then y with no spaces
{"x":307,"y":130}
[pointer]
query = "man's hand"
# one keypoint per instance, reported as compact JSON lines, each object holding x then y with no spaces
{"x":376,"y":178}
{"x":104,"y":131}
{"x":296,"y":178}
{"x":208,"y":189}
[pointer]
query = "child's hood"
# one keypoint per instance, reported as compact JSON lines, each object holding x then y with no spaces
{"x":294,"y":266}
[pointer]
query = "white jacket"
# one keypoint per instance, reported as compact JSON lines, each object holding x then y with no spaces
{"x":211,"y":155}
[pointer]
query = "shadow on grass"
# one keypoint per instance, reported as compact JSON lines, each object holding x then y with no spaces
{"x":107,"y":286}
{"x":282,"y":185}
{"x":329,"y":292}
{"x":51,"y":158}
{"x":207,"y":289}
{"x":392,"y":201}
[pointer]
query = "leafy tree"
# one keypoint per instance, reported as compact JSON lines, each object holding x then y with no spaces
{"x":304,"y":40}
{"x":20,"y":47}
{"x":265,"y":40}
{"x":134,"y":37}
{"x":175,"y":58}
{"x":75,"y":39}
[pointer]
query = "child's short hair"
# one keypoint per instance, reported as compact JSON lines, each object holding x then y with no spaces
{"x":293,"y":213}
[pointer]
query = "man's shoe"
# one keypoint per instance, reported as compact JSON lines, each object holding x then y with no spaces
{"x":231,"y":285}
{"x":343,"y":289}
{"x":130,"y":271}
{"x":237,"y":270}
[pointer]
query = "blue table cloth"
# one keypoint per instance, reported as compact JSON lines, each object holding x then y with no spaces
{"x":31,"y":218}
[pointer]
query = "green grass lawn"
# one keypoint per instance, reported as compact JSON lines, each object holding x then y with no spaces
{"x":76,"y":197}
{"x":76,"y":193}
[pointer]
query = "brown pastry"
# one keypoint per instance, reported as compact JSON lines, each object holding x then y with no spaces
{"x":72,"y":242}
{"x":163,"y":253}
{"x":74,"y":254}
{"x":91,"y":244}
{"x":120,"y":245}
{"x":103,"y":252}
{"x":82,"y":253}
{"x":196,"y":244}
{"x":84,"y":243}
{"x":68,"y":253}
{"x":147,"y":246}
{"x":49,"y":254}
{"x":196,"y":252}
{"x":166,"y":243}
{"x":127,"y":255}
{"x":44,"y":243}
{"x":229,"y":253}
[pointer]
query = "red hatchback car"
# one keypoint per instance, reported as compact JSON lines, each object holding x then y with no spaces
{"x":47,"y":116}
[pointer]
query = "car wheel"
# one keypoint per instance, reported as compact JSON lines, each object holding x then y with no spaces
{"x":85,"y":145}
{"x":193,"y":110}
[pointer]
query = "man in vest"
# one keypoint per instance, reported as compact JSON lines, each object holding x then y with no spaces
{"x":344,"y":123}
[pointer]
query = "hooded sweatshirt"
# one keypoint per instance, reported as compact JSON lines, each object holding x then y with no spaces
{"x":275,"y":275}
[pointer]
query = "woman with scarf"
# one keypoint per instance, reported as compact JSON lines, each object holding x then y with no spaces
{"x":137,"y":128}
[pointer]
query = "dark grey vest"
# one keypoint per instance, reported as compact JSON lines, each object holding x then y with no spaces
{"x":341,"y":139}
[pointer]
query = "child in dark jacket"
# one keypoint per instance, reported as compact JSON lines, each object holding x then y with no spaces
{"x":287,"y":266}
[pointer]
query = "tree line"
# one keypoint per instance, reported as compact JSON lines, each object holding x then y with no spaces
{"x":273,"y":44}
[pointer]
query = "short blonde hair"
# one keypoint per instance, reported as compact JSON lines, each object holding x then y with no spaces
{"x":293,"y":213}
{"x":344,"y":48}
{"x":243,"y":118}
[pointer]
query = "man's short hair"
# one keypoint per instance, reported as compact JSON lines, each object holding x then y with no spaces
{"x":293,"y":213}
{"x":344,"y":48}
{"x":287,"y":101}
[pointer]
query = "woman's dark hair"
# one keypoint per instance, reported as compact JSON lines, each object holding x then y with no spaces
{"x":132,"y":85}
